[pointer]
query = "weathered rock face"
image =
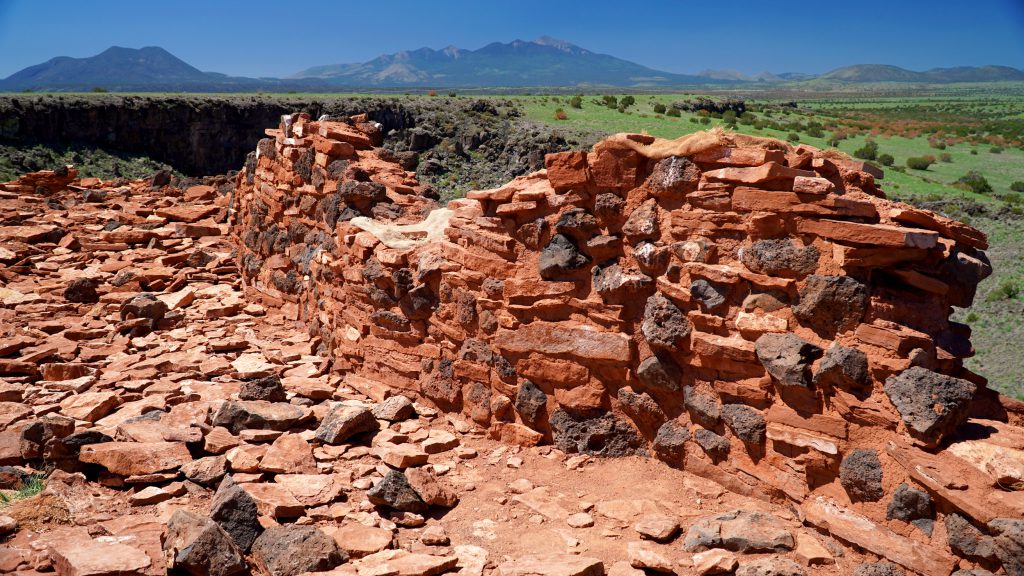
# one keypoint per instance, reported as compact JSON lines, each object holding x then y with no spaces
{"x":752,"y":311}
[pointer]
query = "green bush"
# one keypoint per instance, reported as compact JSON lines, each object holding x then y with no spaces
{"x":674,"y":112}
{"x":659,"y":108}
{"x":576,"y":101}
{"x":627,"y":101}
{"x":886,"y":159}
{"x":99,"y":89}
{"x":869,"y":151}
{"x":1008,"y":289}
{"x":1017,"y":186}
{"x":946,"y":157}
{"x":938,"y":144}
{"x":974,"y":152}
{"x":974,"y":182}
{"x":996,"y":149}
{"x":611,"y":101}
{"x":693,"y":119}
{"x":1013,"y":198}
{"x":919,"y":163}
{"x":793,"y":137}
{"x":705,"y":120}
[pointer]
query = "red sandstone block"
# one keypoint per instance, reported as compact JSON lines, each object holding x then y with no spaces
{"x":754,"y":200}
{"x":333,"y":147}
{"x":345,"y":133}
{"x":870,"y":234}
{"x":756,"y":175}
{"x":613,"y":169}
{"x":947,"y":227}
{"x":739,"y":156}
{"x":567,"y":170}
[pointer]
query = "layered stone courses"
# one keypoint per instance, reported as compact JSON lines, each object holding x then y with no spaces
{"x":764,"y":299}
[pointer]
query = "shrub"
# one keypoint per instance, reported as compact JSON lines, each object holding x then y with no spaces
{"x":996,"y":149}
{"x":886,"y":159}
{"x":946,"y":157}
{"x":674,"y":112}
{"x":1008,"y":289}
{"x":432,"y":93}
{"x":974,"y":182}
{"x":99,"y":89}
{"x":729,"y":116}
{"x":1017,"y":186}
{"x":693,"y":119}
{"x":705,"y":120}
{"x":610,"y":101}
{"x":793,"y":137}
{"x":452,"y":94}
{"x":922,"y":163}
{"x":869,"y":151}
{"x":937,"y":144}
{"x":576,"y":101}
{"x":560,"y":114}
{"x":627,"y":101}
{"x":974,"y":152}
{"x":1013,"y":198}
{"x":659,"y":108}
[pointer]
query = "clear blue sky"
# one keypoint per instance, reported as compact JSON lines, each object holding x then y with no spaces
{"x":278,"y":38}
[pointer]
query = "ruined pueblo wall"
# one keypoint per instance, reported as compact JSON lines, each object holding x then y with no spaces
{"x":755,"y":312}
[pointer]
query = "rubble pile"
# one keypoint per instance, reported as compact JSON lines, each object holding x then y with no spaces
{"x":750,"y":311}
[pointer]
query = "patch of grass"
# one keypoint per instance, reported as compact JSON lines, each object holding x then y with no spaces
{"x":34,"y":486}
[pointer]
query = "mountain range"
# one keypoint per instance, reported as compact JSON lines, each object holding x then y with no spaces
{"x":544,"y":62}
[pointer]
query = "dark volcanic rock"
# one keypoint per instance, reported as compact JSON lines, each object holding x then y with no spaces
{"x":560,"y":256}
{"x":709,"y":294}
{"x":81,"y":291}
{"x":673,"y":176}
{"x":831,"y":304}
{"x":530,"y":403}
{"x":199,"y":546}
{"x":577,"y":222}
{"x":705,"y":409}
{"x":842,"y":367}
{"x":670,"y":442}
{"x":914,"y":506}
{"x":746,"y":423}
{"x":861,"y":475}
{"x":642,"y":224}
{"x":787,"y":357}
{"x":643,"y":409}
{"x":603,"y":435}
{"x":780,"y":258}
{"x":715,"y":446}
{"x":395,"y":492}
{"x":967,"y":540}
{"x":344,"y":422}
{"x":258,"y":415}
{"x":932,"y":405}
{"x":290,"y":550}
{"x":664,"y":324}
{"x":235,"y":511}
{"x":659,"y":372}
{"x":1008,"y":535}
{"x":269,"y":389}
{"x":613,"y":281}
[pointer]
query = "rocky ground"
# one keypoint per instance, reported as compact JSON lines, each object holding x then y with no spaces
{"x":195,"y":431}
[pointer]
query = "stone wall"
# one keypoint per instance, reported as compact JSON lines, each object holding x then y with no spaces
{"x":754,"y":312}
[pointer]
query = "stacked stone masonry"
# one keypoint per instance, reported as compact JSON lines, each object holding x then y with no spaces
{"x":751,"y":311}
